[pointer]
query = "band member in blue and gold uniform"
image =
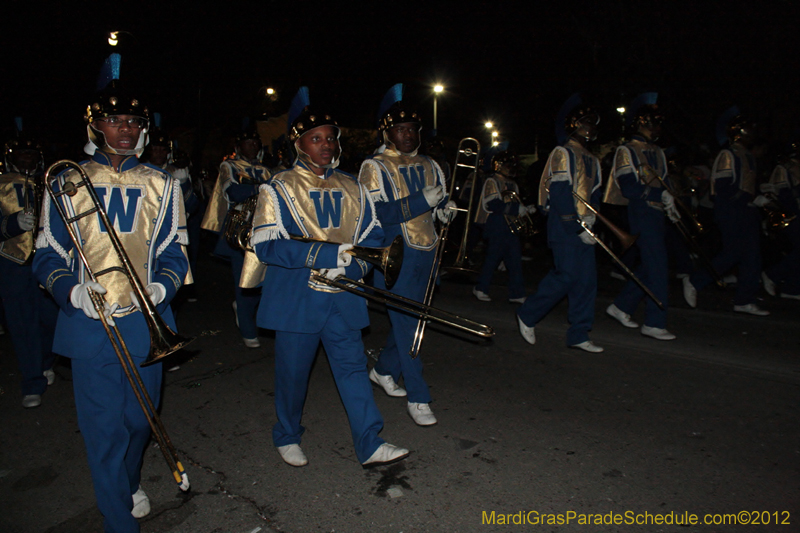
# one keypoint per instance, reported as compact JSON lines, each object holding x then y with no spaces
{"x":571,"y":168}
{"x":638,"y":165}
{"x":784,"y":189}
{"x":315,"y":200}
{"x":502,"y":244}
{"x":237,"y":184}
{"x":30,"y":312}
{"x":408,"y":190}
{"x":733,"y":185}
{"x":144,"y":203}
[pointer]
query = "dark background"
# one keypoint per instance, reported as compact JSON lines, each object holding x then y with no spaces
{"x":204,"y":67}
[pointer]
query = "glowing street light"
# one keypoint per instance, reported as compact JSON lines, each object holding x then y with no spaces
{"x":270,"y":91}
{"x":488,"y":125}
{"x":113,"y":38}
{"x":495,"y":134}
{"x":621,"y":110}
{"x":437,"y":89}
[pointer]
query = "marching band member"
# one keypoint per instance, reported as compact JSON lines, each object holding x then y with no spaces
{"x":784,"y":184}
{"x":238,"y":181}
{"x":570,"y":168}
{"x":313,"y":199}
{"x":733,"y":184}
{"x":409,"y":194}
{"x":636,"y":164}
{"x":502,"y":244}
{"x":144,"y":204}
{"x":29,"y":311}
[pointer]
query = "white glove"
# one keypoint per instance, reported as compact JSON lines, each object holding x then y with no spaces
{"x":527,"y":210}
{"x":447,"y":214}
{"x":26,"y":221}
{"x":668,"y":200}
{"x":587,"y":238}
{"x":80,"y":299}
{"x":758,"y":201}
{"x":433,"y":194}
{"x":589,"y":219}
{"x":155,"y":291}
{"x":343,"y":259}
{"x":332,"y":273}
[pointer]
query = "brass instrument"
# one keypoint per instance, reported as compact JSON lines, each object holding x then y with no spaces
{"x":405,"y":304}
{"x":163,"y":341}
{"x":521,"y":225}
{"x":32,"y":207}
{"x":467,"y":158}
{"x":468,"y":148}
{"x":239,"y":223}
{"x":650,"y":173}
{"x":626,"y":239}
{"x":388,"y":259}
{"x":686,"y":235}
{"x":777,"y":218}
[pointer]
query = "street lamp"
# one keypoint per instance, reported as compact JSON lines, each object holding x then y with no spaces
{"x":488,"y":125}
{"x":438,"y":88}
{"x":113,"y":37}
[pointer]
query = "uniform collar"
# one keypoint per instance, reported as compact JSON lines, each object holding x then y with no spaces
{"x":102,"y":158}
{"x":305,"y":167}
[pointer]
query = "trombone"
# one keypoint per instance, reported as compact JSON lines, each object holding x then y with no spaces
{"x":626,"y":240}
{"x":163,"y":341}
{"x":468,"y":148}
{"x":387,"y":260}
{"x":683,"y":230}
{"x":468,"y":157}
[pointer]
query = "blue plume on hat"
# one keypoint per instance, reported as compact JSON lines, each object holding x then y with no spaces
{"x":571,"y":103}
{"x":392,"y":96}
{"x":723,"y":121}
{"x":300,"y":101}
{"x":637,"y":103}
{"x":157,"y":120}
{"x":18,"y":124}
{"x":109,"y":71}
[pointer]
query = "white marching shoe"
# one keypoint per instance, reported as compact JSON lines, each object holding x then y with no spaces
{"x":387,"y":383}
{"x":769,"y":285}
{"x":50,"y":375}
{"x":689,"y":293}
{"x":480,"y":295}
{"x":293,"y":455}
{"x":657,"y":333}
{"x":385,"y":454}
{"x":588,"y":346}
{"x":31,"y":400}
{"x":750,"y":309}
{"x":421,"y":414}
{"x":141,"y":504}
{"x":527,"y":332}
{"x":621,"y":316}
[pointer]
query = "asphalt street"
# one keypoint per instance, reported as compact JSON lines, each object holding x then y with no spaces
{"x":706,"y":425}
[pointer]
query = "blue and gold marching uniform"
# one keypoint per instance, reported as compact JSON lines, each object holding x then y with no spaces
{"x":146,"y":208}
{"x":395,"y":181}
{"x":785,"y":181}
{"x":30,"y":313}
{"x":303,"y":312}
{"x":238,"y":180}
{"x":502,"y":244}
{"x":637,"y":166}
{"x":733,"y":184}
{"x":569,"y":168}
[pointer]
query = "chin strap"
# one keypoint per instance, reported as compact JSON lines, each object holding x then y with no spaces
{"x":97,"y":141}
{"x":301,"y":155}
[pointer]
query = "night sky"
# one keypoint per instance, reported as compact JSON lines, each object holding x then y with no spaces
{"x":205,"y":66}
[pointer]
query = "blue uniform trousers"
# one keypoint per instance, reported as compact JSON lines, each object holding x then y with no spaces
{"x":786,"y":273}
{"x":741,"y":234}
{"x":502,"y":245}
{"x":246,"y":299}
{"x":574,"y":276}
{"x":294,"y":356}
{"x":115,"y":432}
{"x":31,"y":320}
{"x":394,"y":359}
{"x":653,"y":270}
